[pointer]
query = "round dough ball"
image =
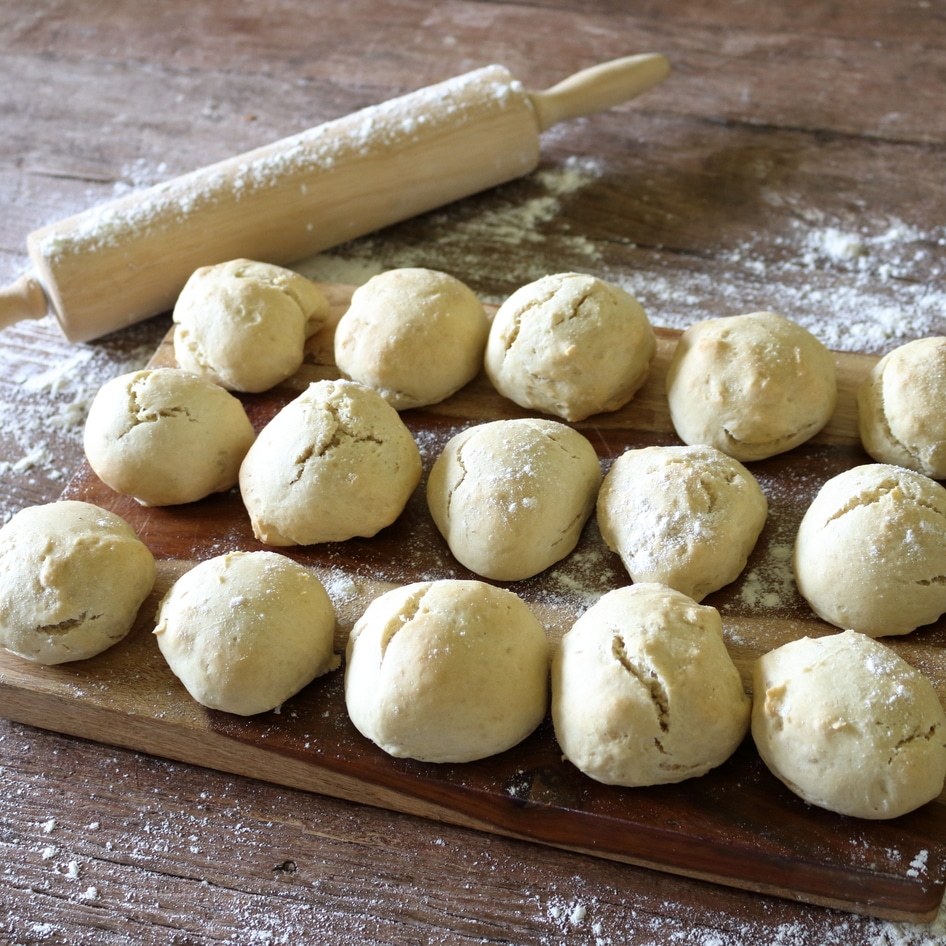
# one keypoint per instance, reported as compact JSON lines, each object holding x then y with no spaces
{"x":334,"y":463}
{"x":72,"y":578}
{"x":644,"y":691}
{"x":415,"y":335}
{"x":244,"y":324}
{"x":165,"y":436}
{"x":870,"y":552}
{"x":900,"y":407}
{"x":447,"y":671}
{"x":570,"y":345}
{"x":247,"y":630}
{"x":687,"y":517}
{"x":849,"y":726}
{"x":511,"y":497}
{"x":752,"y":385}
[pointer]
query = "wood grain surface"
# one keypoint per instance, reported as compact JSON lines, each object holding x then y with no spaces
{"x":793,"y":160}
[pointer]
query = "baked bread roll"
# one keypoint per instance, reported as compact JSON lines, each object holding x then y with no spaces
{"x":243,"y":324}
{"x":751,"y":385}
{"x":165,"y":436}
{"x":849,"y":726}
{"x":570,"y":345}
{"x":72,"y":579}
{"x":900,"y":407}
{"x":414,"y":335}
{"x":334,"y":463}
{"x":447,"y":671}
{"x":644,"y":691}
{"x":247,"y":630}
{"x":511,"y":497}
{"x":870,"y":552}
{"x":687,"y":517}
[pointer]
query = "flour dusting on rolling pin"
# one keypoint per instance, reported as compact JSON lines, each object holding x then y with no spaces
{"x":114,"y":265}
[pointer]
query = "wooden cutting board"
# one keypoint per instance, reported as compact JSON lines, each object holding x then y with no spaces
{"x":737,"y":825}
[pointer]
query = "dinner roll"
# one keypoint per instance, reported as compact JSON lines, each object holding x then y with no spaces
{"x":752,"y":385}
{"x":511,"y":496}
{"x":849,"y":726}
{"x":72,"y":578}
{"x":414,"y":335}
{"x":571,"y":345}
{"x":447,"y":671}
{"x":644,"y":691}
{"x":900,"y":407}
{"x":243,"y":324}
{"x":684,"y":516}
{"x":245,"y":631}
{"x":336,"y":462}
{"x":165,"y":436}
{"x":870,"y":552}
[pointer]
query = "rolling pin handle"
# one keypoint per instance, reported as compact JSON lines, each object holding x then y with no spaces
{"x":599,"y":87}
{"x":22,"y":299}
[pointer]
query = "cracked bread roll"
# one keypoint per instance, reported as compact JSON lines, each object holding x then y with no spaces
{"x":849,"y":726}
{"x":243,"y":324}
{"x":687,"y":517}
{"x":72,"y":579}
{"x":644,"y":691}
{"x":447,"y":671}
{"x":571,"y":345}
{"x":336,"y":462}
{"x":870,"y":552}
{"x":246,"y":631}
{"x":751,"y":385}
{"x":414,"y":335}
{"x":165,"y":436}
{"x":511,"y":497}
{"x":900,"y":407}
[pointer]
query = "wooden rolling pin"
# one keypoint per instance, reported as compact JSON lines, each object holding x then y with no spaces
{"x":127,"y":260}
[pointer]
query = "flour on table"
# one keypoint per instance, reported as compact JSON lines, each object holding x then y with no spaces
{"x":516,"y":229}
{"x":864,"y":290}
{"x":42,"y":415}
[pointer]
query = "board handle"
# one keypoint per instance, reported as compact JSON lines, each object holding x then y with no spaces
{"x":22,"y":299}
{"x":599,"y":87}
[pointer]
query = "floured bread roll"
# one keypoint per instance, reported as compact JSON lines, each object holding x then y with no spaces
{"x":166,"y":436}
{"x":244,"y":324}
{"x":415,"y":335}
{"x":870,"y":553}
{"x":447,"y":671}
{"x":512,"y":496}
{"x":570,"y":345}
{"x":684,"y":516}
{"x":849,"y":726}
{"x":644,"y":691}
{"x":334,"y":463}
{"x":900,"y":407}
{"x":247,"y":630}
{"x":72,"y":578}
{"x":752,"y":385}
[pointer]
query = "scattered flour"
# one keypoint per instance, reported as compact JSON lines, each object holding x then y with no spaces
{"x":515,"y":229}
{"x":864,"y":290}
{"x":43,"y":413}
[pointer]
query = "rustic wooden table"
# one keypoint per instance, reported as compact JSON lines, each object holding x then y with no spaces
{"x":793,"y":161}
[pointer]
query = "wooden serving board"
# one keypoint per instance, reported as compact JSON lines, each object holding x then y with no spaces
{"x":737,"y":825}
